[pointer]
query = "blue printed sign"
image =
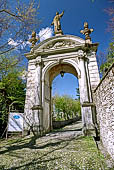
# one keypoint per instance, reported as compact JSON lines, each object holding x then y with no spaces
{"x":15,"y":122}
{"x":16,"y":116}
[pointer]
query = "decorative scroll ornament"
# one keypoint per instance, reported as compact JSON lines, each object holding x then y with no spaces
{"x":61,"y":44}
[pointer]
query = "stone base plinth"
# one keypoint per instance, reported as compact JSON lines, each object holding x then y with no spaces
{"x":37,"y":130}
{"x":60,"y":32}
{"x":89,"y":131}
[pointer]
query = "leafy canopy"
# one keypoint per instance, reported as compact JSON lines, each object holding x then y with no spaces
{"x":67,"y":106}
{"x":12,"y":87}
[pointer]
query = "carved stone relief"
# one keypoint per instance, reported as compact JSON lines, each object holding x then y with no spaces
{"x":60,"y":44}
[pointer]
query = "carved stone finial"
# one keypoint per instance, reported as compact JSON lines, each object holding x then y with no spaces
{"x":86,"y":32}
{"x":57,"y":24}
{"x":33,"y":39}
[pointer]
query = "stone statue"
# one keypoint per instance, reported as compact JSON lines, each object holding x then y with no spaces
{"x":33,"y":39}
{"x":56,"y":22}
{"x":87,"y":32}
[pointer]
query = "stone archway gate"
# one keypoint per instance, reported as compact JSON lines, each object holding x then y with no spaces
{"x":45,"y":61}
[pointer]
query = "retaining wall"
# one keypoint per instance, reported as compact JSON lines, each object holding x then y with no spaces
{"x":60,"y":124}
{"x":104,"y":101}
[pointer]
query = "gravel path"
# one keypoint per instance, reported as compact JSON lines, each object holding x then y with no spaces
{"x":70,"y":131}
{"x":65,"y":149}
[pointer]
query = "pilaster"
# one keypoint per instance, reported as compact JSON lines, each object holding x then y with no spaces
{"x":37,"y":107}
{"x":29,"y":101}
{"x":85,"y":95}
{"x":93,"y":70}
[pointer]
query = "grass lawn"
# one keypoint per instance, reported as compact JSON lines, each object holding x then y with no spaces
{"x":50,"y":153}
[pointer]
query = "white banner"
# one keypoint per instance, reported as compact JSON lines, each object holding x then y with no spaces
{"x":15,"y":122}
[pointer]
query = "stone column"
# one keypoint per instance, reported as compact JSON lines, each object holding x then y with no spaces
{"x":51,"y":108}
{"x":37,"y":107}
{"x":85,"y":94}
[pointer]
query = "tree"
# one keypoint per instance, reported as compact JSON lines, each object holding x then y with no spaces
{"x":109,"y":59}
{"x":12,"y":87}
{"x":66,"y":107}
{"x":106,"y":60}
{"x":110,"y":12}
{"x":77,"y":93}
{"x":16,"y":22}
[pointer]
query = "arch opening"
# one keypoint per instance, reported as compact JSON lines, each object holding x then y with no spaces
{"x":65,"y":100}
{"x":51,"y":74}
{"x":65,"y":85}
{"x":58,"y":69}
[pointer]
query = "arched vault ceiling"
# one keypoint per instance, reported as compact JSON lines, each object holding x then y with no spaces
{"x":55,"y":71}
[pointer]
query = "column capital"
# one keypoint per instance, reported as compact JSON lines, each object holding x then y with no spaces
{"x":81,"y":54}
{"x":84,"y":58}
{"x":91,"y":53}
{"x":39,"y":61}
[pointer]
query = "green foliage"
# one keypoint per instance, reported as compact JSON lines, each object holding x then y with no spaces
{"x":12,"y":87}
{"x":78,"y":93}
{"x":109,"y":59}
{"x":66,"y":107}
{"x":11,"y":84}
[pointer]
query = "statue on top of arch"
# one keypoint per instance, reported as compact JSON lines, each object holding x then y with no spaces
{"x":57,"y":24}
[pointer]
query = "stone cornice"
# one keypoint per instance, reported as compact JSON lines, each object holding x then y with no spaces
{"x":44,"y":52}
{"x":60,"y":45}
{"x":38,"y":60}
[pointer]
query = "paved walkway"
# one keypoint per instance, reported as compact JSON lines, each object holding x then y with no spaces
{"x":70,"y":131}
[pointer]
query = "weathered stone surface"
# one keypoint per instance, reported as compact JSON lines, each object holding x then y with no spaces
{"x":104,"y":100}
{"x":61,"y":53}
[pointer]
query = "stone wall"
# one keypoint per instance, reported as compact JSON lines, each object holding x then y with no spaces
{"x":60,"y":124}
{"x":104,"y":100}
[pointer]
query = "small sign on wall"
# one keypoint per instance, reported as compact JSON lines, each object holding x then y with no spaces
{"x":15,"y":122}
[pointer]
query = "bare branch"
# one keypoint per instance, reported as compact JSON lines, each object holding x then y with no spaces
{"x":17,"y":22}
{"x":10,"y":13}
{"x":11,"y":48}
{"x":5,"y":44}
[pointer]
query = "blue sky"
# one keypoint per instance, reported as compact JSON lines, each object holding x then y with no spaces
{"x":76,"y":13}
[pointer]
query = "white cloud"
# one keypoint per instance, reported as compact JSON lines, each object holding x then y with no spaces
{"x":12,"y":42}
{"x":45,"y":33}
{"x":19,"y":43}
{"x":28,"y":43}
